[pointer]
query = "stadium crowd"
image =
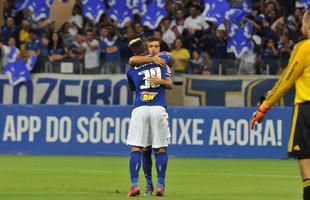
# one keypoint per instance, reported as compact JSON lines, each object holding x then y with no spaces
{"x":195,"y":44}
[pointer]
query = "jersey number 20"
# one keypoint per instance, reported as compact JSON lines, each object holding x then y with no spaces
{"x":147,"y":74}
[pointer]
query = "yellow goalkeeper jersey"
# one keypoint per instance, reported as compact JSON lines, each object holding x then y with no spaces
{"x":297,"y":72}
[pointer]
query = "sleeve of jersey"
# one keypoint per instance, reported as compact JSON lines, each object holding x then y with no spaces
{"x":130,"y":81}
{"x":289,"y":75}
{"x":168,"y":58}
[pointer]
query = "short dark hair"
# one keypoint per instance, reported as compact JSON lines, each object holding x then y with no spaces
{"x":151,"y":39}
{"x":137,"y":46}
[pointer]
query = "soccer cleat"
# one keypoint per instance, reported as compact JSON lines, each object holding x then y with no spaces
{"x":135,"y":191}
{"x":149,"y":190}
{"x":160,"y":191}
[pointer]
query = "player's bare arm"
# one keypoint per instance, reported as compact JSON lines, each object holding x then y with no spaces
{"x":136,"y":60}
{"x":167,"y":83}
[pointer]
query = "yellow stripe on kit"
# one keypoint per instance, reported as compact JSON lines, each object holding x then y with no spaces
{"x":306,"y":183}
{"x":294,"y":120}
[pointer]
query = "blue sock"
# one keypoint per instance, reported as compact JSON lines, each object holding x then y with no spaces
{"x":147,"y":166}
{"x":161,"y":166}
{"x":134,"y":165}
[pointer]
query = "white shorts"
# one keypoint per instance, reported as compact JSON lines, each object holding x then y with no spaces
{"x":149,"y":127}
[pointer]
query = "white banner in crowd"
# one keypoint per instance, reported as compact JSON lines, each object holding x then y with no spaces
{"x":67,"y":89}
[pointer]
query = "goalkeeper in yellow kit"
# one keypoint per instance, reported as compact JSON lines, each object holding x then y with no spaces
{"x":298,"y":73}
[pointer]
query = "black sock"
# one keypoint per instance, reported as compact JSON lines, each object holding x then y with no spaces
{"x":306,"y":189}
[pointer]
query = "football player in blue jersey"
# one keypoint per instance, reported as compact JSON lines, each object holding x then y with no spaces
{"x":164,"y":59}
{"x":149,"y":122}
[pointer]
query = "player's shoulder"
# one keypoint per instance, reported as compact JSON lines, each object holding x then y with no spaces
{"x":304,"y":45}
{"x":165,"y":55}
{"x":130,"y":69}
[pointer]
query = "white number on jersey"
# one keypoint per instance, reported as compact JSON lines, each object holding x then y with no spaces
{"x":147,"y":74}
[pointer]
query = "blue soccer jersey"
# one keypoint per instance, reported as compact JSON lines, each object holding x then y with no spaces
{"x":146,"y":93}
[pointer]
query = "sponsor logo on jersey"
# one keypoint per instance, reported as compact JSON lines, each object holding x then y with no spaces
{"x":148,"y":96}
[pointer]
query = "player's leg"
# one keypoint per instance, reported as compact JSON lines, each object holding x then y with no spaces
{"x":147,"y":168}
{"x":299,"y":143}
{"x":137,"y":139}
{"x":134,"y":167}
{"x":304,"y":165}
{"x":160,"y":135}
{"x":161,"y":158}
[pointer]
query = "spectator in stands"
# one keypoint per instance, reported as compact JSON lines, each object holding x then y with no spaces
{"x":67,"y":37}
{"x":56,"y":48}
{"x":43,"y":57}
{"x":129,"y":35}
{"x":163,"y":45}
{"x":195,"y":21}
{"x":9,"y":53}
{"x":77,"y":49}
{"x":8,"y":30}
{"x":196,"y":64}
{"x":219,"y":42}
{"x":177,"y":25}
{"x":103,"y":33}
{"x":23,"y":36}
{"x":110,"y":53}
{"x":294,"y":21}
{"x":9,"y":9}
{"x":181,"y":57}
{"x":248,"y":60}
{"x":141,"y":31}
{"x":33,"y":45}
{"x":269,"y":55}
{"x":126,"y":53}
{"x":41,"y":29}
{"x":285,"y":47}
{"x":91,"y":56}
{"x":76,"y":17}
{"x":168,"y":35}
{"x":266,"y":19}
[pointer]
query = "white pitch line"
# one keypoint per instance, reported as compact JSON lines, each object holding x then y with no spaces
{"x":238,"y":174}
{"x":169,"y":172}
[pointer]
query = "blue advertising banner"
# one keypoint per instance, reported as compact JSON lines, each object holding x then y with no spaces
{"x":230,"y":90}
{"x":217,"y":132}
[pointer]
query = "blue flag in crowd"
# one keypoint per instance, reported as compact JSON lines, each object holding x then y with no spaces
{"x":215,"y":11}
{"x":238,"y":13}
{"x":22,"y":4}
{"x":40,"y":9}
{"x":137,"y":6}
{"x":120,"y":12}
{"x":19,"y":71}
{"x":239,"y":41}
{"x":306,"y":3}
{"x":31,"y":62}
{"x":13,"y":54}
{"x":93,"y":9}
{"x":155,"y":13}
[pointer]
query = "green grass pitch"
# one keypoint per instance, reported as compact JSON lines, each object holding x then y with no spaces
{"x":92,"y":178}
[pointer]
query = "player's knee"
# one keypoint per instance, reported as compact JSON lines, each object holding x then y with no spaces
{"x":160,"y":150}
{"x":134,"y":148}
{"x":145,"y":149}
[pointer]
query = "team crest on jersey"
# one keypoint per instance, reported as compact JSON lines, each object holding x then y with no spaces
{"x":148,"y":96}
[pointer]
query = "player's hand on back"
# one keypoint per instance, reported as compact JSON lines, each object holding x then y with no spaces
{"x":159,"y":61}
{"x":155,"y":80}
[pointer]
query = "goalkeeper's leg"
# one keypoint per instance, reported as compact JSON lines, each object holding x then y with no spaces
{"x":304,"y":165}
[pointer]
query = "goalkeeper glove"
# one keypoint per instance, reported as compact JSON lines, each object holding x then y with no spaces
{"x":258,"y":115}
